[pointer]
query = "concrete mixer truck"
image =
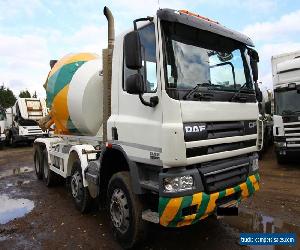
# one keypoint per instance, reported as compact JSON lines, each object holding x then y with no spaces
{"x":163,"y":129}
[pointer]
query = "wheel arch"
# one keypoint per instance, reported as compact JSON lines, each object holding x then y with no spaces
{"x":113,"y":160}
{"x":77,"y":153}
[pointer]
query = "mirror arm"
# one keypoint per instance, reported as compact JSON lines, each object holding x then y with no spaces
{"x":153,"y":101}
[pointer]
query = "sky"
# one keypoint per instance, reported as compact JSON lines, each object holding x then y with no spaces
{"x":32,"y":32}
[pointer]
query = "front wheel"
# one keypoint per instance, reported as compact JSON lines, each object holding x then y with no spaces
{"x":125,"y":211}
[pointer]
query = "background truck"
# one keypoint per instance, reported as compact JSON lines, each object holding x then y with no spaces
{"x":2,"y":126}
{"x":164,"y":129}
{"x":286,"y":81}
{"x":22,"y":120}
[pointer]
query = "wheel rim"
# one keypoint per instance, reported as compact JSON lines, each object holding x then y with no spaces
{"x":76,"y":185}
{"x":119,"y":211}
{"x":46,"y":168}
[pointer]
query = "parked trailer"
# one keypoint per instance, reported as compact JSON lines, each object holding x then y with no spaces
{"x":286,"y":81}
{"x":166,"y":131}
{"x":22,"y":120}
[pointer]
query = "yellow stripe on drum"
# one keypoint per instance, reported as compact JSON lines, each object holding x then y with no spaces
{"x":71,"y":58}
{"x":60,"y":110}
{"x":170,"y":211}
{"x":197,"y":199}
{"x":254,"y":182}
{"x":212,"y":203}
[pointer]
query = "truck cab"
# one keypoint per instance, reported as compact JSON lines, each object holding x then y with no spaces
{"x":191,"y":122}
{"x":22,"y":123}
{"x":286,"y":80}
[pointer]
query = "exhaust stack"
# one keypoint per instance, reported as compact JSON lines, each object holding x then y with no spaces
{"x":107,"y":70}
{"x":111,"y":27}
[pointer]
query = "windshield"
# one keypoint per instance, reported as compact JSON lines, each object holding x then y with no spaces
{"x":287,"y":102}
{"x":200,"y":58}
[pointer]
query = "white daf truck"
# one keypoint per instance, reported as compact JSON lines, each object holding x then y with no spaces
{"x":286,"y":82}
{"x":22,"y":120}
{"x":166,"y":131}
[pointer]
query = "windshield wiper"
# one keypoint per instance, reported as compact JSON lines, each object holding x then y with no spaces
{"x":196,"y":88}
{"x":236,"y":94}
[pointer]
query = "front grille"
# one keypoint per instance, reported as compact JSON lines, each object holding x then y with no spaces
{"x":292,"y":134}
{"x":212,"y":149}
{"x":221,"y":174}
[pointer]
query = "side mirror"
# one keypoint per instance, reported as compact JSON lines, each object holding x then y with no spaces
{"x":258,"y":93}
{"x":132,"y":46}
{"x":254,"y":59}
{"x":134,"y":84}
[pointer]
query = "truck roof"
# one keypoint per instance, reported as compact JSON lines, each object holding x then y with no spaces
{"x":288,"y":54}
{"x":196,"y":21}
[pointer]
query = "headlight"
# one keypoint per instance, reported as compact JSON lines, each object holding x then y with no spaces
{"x":178,"y":184}
{"x":255,"y":165}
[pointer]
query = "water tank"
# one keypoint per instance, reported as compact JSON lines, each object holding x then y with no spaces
{"x":74,"y":94}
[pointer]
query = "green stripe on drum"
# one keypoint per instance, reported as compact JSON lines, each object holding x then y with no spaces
{"x":60,"y":79}
{"x":71,"y":127}
{"x":186,"y":201}
{"x":163,"y":202}
{"x":202,"y":207}
{"x":257,"y":177}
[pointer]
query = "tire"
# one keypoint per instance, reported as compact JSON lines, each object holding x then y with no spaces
{"x":125,"y":210}
{"x":80,"y":194}
{"x":49,"y":176}
{"x":38,"y":163}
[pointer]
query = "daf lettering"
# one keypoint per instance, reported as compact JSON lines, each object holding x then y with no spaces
{"x":195,"y":129}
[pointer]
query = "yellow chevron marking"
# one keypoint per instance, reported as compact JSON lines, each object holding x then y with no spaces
{"x":229,"y":191}
{"x":212,"y":203}
{"x":197,"y":198}
{"x":254,"y":182}
{"x":71,"y":58}
{"x":245,"y":192}
{"x":170,"y":211}
{"x":187,"y":220}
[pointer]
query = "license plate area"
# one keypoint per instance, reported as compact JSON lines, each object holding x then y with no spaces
{"x":228,"y":206}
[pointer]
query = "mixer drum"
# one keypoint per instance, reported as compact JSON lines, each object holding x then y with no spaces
{"x":74,"y":94}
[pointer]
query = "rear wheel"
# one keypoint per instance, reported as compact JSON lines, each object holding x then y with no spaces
{"x":38,"y":163}
{"x":81,"y":195}
{"x":49,"y":176}
{"x":125,"y":211}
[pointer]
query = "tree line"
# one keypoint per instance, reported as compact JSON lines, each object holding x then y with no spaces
{"x":8,"y":98}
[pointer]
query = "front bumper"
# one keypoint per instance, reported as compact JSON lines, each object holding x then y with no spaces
{"x":170,"y":209}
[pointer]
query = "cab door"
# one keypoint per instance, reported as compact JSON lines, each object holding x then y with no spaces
{"x":139,"y":126}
